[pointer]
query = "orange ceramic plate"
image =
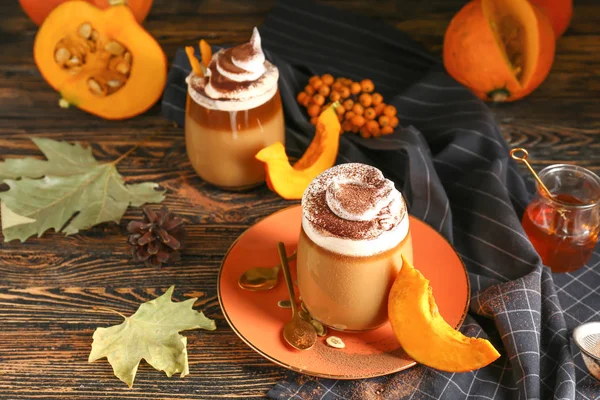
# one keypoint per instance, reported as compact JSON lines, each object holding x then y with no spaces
{"x":258,"y":320}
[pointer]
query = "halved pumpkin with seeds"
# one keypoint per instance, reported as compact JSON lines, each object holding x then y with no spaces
{"x":101,"y":61}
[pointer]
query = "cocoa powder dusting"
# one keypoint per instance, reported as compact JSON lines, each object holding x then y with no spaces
{"x":361,"y":188}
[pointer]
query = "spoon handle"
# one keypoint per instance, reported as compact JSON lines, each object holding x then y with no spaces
{"x":287,"y":275}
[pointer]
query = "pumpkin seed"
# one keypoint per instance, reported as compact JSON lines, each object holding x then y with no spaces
{"x":61,"y":55}
{"x":127,"y":57}
{"x":74,"y":61}
{"x":123,"y":68}
{"x":95,"y":87}
{"x":114,"y":83}
{"x":85,"y":30}
{"x":335,"y":342}
{"x":321,"y":330}
{"x":114,"y":48}
{"x":94,"y":35}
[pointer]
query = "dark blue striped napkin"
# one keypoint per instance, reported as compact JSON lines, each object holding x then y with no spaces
{"x":452,"y":164}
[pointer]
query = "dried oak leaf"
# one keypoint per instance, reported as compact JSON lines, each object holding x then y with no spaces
{"x":152,"y":333}
{"x":45,"y":194}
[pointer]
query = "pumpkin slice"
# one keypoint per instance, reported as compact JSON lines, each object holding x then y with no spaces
{"x":423,"y":333}
{"x":290,"y":182}
{"x":500,"y":49}
{"x":38,"y":10}
{"x":101,"y":61}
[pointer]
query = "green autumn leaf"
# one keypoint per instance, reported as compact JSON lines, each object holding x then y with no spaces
{"x":45,"y":195}
{"x":152,"y":333}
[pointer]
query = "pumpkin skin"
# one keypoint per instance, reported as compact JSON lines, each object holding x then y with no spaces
{"x":475,"y":51}
{"x":423,"y":333}
{"x":559,"y":12}
{"x":147,"y":76}
{"x":38,"y":10}
{"x":290,"y":182}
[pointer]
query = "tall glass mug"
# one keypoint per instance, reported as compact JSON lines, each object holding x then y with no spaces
{"x":355,"y":230}
{"x":564,"y":229}
{"x":231,"y":114}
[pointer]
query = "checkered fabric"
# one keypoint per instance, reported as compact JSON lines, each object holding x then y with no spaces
{"x":452,"y":164}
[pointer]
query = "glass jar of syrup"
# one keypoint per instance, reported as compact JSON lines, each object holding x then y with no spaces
{"x":564,"y":229}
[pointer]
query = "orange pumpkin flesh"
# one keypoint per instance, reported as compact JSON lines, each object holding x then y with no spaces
{"x":38,"y":10}
{"x":290,"y":182}
{"x":501,"y":49}
{"x":559,"y":13}
{"x":423,"y":333}
{"x":144,"y":75}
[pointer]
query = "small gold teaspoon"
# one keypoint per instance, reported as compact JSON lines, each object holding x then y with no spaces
{"x":299,"y":334}
{"x":261,"y":278}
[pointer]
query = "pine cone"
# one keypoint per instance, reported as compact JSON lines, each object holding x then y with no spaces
{"x":157,"y":239}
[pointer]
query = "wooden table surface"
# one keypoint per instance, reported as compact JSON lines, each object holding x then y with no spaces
{"x":49,"y":285}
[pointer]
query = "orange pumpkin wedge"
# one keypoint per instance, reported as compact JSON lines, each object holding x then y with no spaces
{"x":501,"y":49}
{"x":101,"y":61}
{"x":290,"y":182}
{"x":559,"y":13}
{"x":38,"y":10}
{"x":423,"y":333}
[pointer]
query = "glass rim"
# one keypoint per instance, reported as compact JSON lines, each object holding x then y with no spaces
{"x":589,"y":174}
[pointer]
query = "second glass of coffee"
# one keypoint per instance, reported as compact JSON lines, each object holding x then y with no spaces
{"x":355,"y":229}
{"x":233,"y":112}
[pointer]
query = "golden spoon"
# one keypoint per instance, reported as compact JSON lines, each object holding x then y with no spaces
{"x":523,"y":159}
{"x":261,"y":278}
{"x":299,"y":334}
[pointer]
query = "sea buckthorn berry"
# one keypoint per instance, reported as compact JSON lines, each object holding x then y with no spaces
{"x":301,"y":97}
{"x":348,"y":104}
{"x":355,"y":88}
{"x":347,"y":126}
{"x":355,"y":128}
{"x":367,"y":85}
{"x":313,"y":78}
{"x":318,"y":99}
{"x":364,"y":132}
{"x":340,"y":110}
{"x":358,"y":109}
{"x":386,"y":130}
{"x":306,"y":101}
{"x":337,"y":86}
{"x":340,"y":117}
{"x":313,"y":110}
{"x":314,"y":120}
{"x":394,"y":121}
{"x":309,"y":90}
{"x":349,"y":115}
{"x":347,"y":82}
{"x":372,"y":124}
{"x":390,"y":111}
{"x":334,"y":96}
{"x":358,"y":120}
{"x":339,"y":79}
{"x":327,"y":79}
{"x":384,"y":120}
{"x":365,"y":99}
{"x":324,"y":90}
{"x":370,"y":113}
{"x":317,"y":83}
{"x":344,"y":92}
{"x":376,"y":99}
{"x":379,"y":108}
{"x":375,"y":132}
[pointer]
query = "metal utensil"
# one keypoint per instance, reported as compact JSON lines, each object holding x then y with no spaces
{"x":299,"y":334}
{"x":587,"y":338}
{"x":523,"y":159}
{"x":261,"y":278}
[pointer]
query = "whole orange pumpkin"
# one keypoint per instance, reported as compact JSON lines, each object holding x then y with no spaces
{"x":501,"y":49}
{"x":38,"y":10}
{"x":559,"y":12}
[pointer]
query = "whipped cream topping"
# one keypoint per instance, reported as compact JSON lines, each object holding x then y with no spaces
{"x":238,"y":78}
{"x":352,"y":209}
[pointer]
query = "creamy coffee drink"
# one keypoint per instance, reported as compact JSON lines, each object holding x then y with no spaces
{"x":233,"y":112}
{"x":354,"y":231}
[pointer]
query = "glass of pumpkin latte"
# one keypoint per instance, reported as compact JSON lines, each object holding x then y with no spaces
{"x":233,"y":112}
{"x":355,"y":229}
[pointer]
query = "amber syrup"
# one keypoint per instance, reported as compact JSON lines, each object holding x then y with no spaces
{"x":552,"y":234}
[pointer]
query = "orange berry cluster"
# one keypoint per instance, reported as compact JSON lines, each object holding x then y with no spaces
{"x":361,"y":110}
